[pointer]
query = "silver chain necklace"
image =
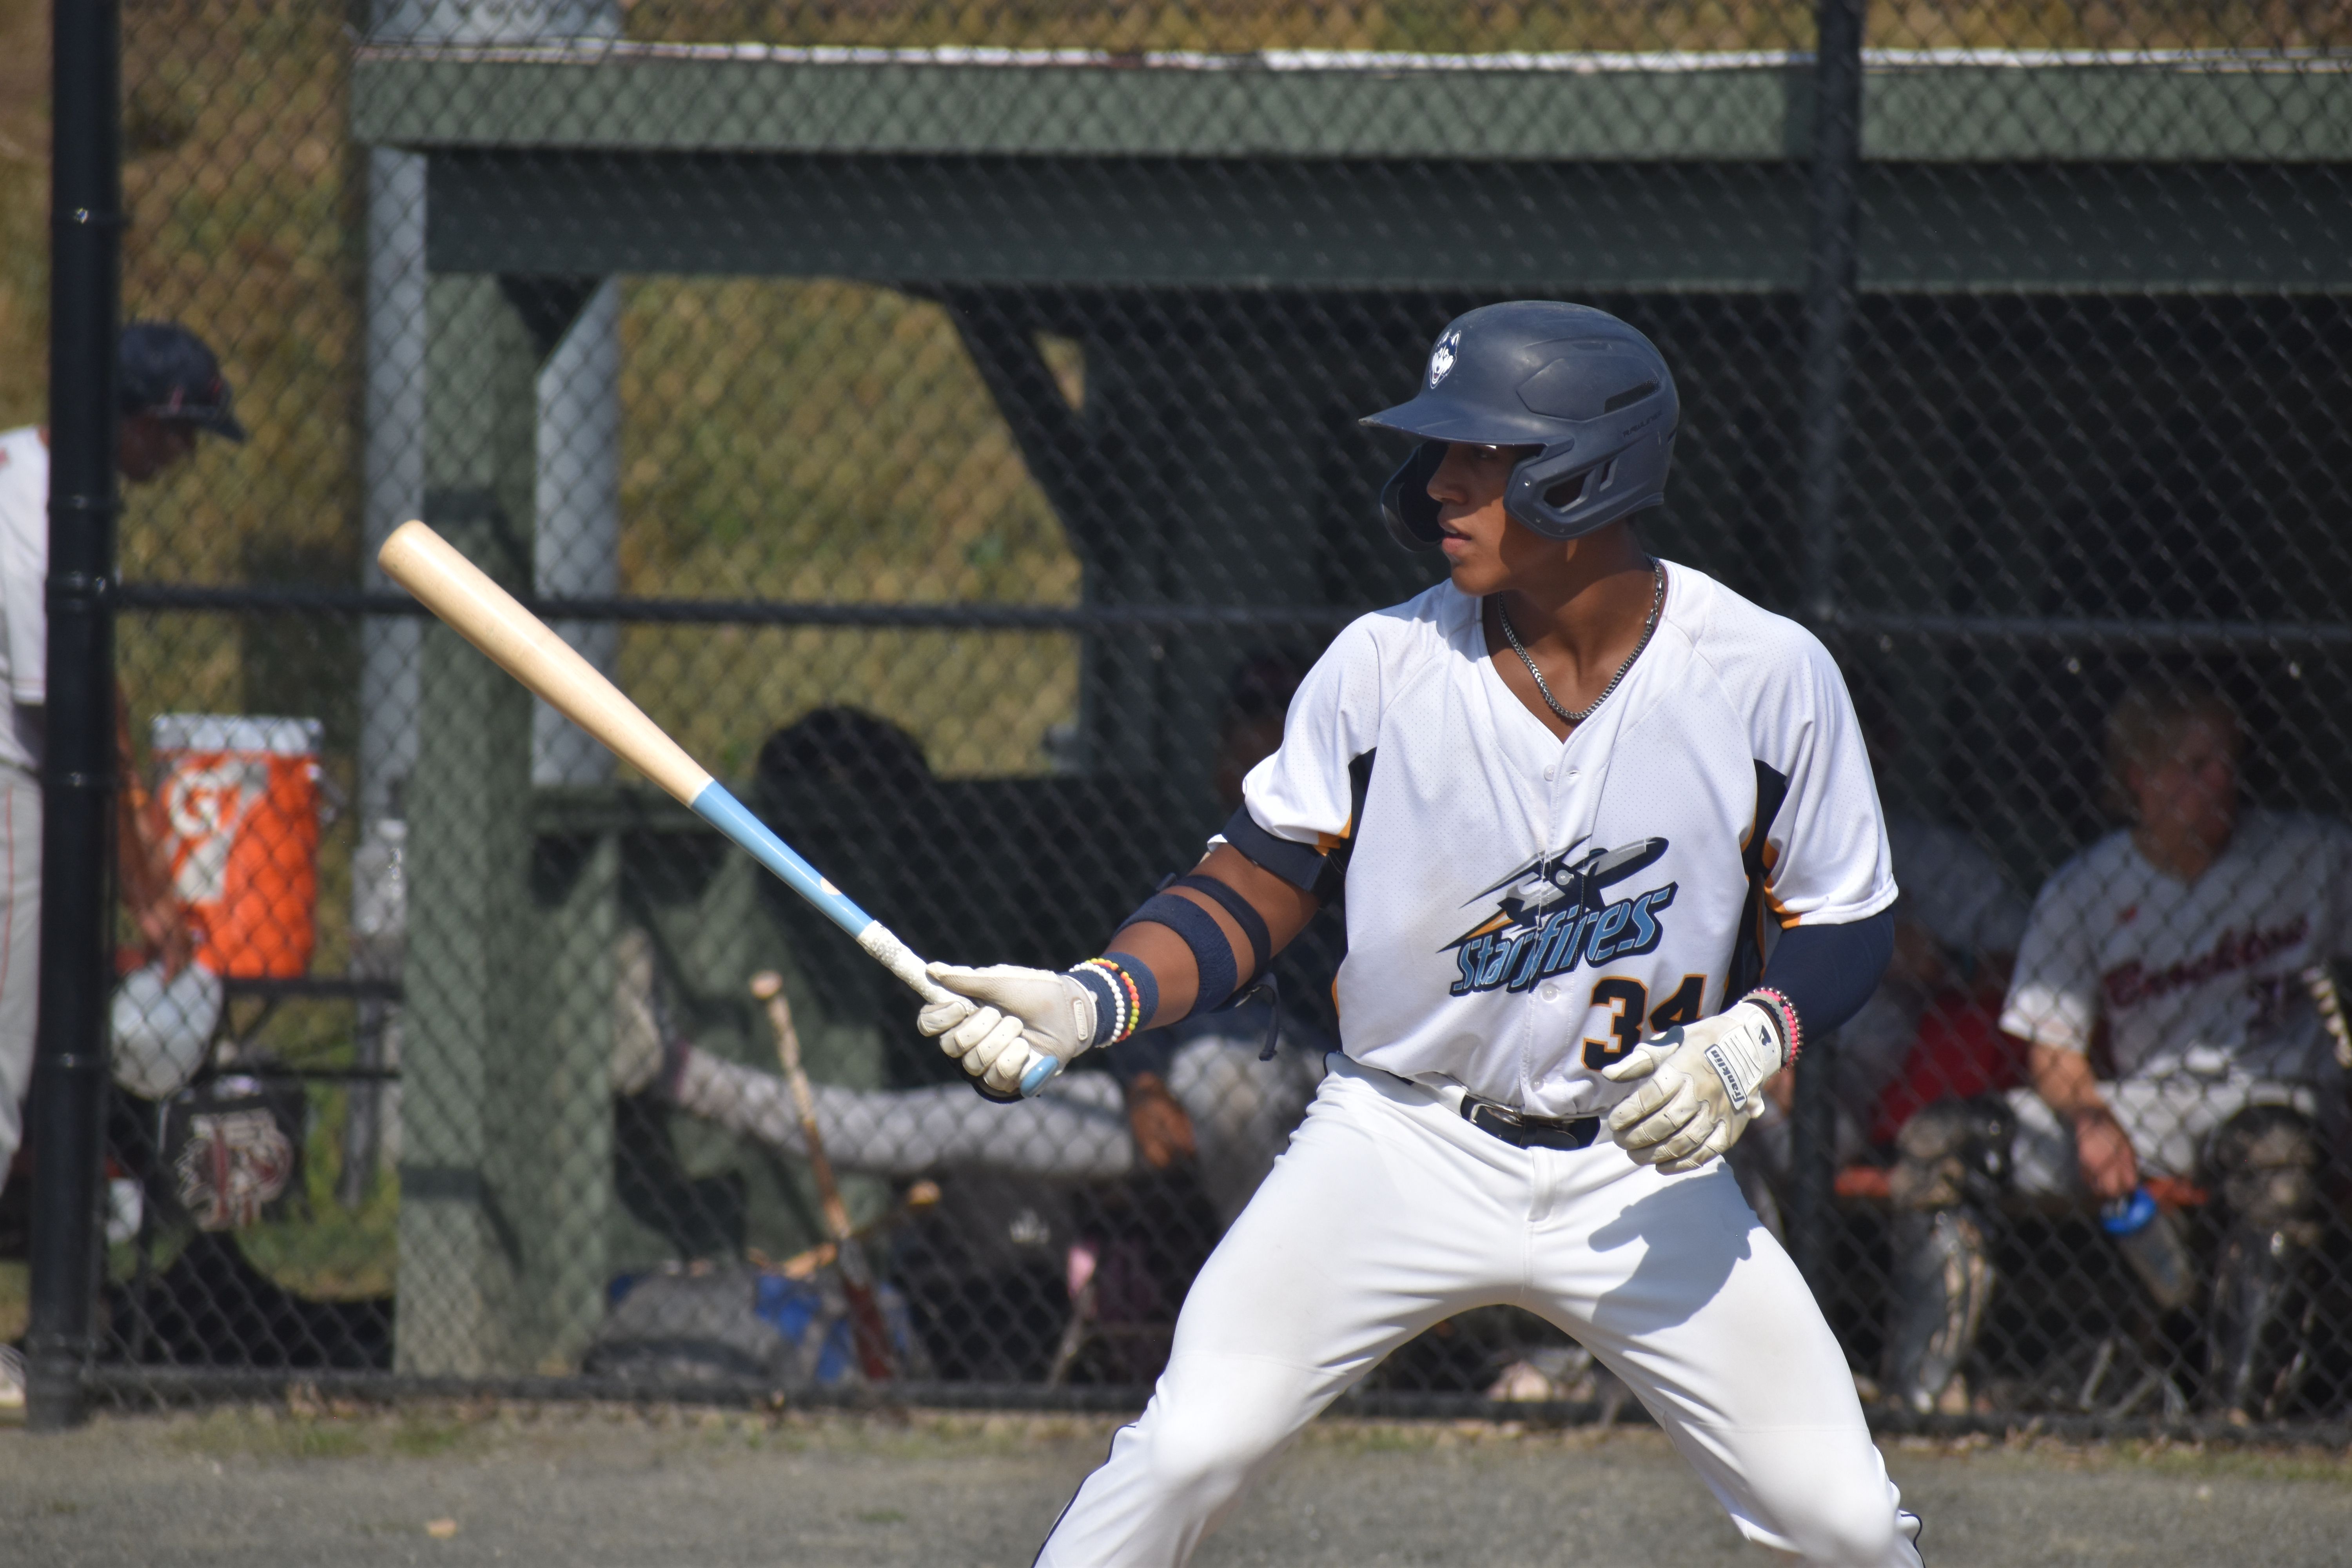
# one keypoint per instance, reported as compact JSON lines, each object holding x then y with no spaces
{"x":1657,"y":602}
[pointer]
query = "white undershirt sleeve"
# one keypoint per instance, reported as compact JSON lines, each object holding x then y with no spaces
{"x":2054,"y":998}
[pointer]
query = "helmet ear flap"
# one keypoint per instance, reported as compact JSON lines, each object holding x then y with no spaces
{"x":1405,"y":504}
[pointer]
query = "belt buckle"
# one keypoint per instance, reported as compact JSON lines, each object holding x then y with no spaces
{"x":1505,"y":1124}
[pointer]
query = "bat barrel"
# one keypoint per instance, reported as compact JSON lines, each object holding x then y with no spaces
{"x":487,"y":615}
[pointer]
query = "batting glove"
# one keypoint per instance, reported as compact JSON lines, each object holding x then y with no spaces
{"x":1004,"y":1019}
{"x":1697,"y":1088}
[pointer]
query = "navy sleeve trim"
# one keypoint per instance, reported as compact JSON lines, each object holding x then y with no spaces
{"x":1828,"y":972}
{"x":1747,"y":947}
{"x":1300,"y":865}
{"x":1245,"y":915}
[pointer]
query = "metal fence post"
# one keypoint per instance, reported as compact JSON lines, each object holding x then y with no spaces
{"x":78,"y":783}
{"x":1828,"y":308}
{"x":1829,"y":291}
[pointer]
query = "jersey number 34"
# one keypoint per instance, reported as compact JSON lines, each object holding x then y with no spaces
{"x":1627,"y":1002}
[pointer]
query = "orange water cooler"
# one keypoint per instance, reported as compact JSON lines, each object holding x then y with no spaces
{"x":238,"y":797}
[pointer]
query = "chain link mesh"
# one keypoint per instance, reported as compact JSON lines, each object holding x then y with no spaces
{"x":941,"y":419}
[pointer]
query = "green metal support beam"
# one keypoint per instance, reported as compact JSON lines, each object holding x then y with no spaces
{"x":1973,"y":107}
{"x":1289,"y":223}
{"x":2038,"y":172}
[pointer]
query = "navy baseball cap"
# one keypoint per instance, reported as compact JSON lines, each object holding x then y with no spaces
{"x":167,"y":370}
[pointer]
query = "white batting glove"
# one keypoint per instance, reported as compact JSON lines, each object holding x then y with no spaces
{"x":1699,"y":1087}
{"x":1004,"y":1018}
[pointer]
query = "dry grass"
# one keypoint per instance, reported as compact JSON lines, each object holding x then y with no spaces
{"x":831,"y":442}
{"x":24,"y":210}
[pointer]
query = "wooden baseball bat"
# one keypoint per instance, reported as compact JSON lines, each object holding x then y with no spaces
{"x":918,"y":1198}
{"x":866,"y":1326}
{"x":522,"y":645}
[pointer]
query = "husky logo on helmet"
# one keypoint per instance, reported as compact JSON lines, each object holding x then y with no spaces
{"x":1441,"y":358}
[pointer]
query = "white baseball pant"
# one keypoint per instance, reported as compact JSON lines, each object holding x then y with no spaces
{"x":1389,"y":1213}
{"x":20,"y":949}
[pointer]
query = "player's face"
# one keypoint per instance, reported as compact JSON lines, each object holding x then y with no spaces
{"x":147,"y":446}
{"x":1482,"y":545}
{"x":2190,"y":789}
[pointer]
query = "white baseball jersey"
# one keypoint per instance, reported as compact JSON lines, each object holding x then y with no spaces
{"x":24,"y":578}
{"x":1522,"y":911}
{"x":2202,"y":976}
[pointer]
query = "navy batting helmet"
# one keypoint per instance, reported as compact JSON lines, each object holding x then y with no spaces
{"x":1592,"y":396}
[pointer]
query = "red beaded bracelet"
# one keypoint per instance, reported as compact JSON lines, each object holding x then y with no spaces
{"x":1784,"y":1012}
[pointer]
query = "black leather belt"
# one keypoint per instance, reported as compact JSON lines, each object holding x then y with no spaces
{"x":1529,"y":1131}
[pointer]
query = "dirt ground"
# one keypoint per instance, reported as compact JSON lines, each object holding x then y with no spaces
{"x":594,"y":1485}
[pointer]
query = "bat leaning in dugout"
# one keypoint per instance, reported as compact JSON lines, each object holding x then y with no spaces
{"x":872,"y":1337}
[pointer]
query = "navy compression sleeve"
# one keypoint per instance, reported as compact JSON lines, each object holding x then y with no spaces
{"x":1827,"y":973}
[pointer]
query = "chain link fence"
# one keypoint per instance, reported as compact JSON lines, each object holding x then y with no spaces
{"x":942,"y":419}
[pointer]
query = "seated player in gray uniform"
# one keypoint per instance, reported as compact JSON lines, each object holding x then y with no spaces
{"x":1197,"y":1091}
{"x":1230,"y":1111}
{"x":2193,"y":939}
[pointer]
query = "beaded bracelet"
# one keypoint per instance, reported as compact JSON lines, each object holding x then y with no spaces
{"x":1125,"y":995}
{"x":1783,"y":1012}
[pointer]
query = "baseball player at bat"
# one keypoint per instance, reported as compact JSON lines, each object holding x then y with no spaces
{"x":1568,"y":793}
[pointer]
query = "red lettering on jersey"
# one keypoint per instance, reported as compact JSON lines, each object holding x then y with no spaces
{"x":2128,"y":984}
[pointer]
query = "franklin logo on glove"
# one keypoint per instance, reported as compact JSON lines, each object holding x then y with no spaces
{"x":1696,"y":1087}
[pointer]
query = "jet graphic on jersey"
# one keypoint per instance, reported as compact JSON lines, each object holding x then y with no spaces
{"x":1552,"y":916}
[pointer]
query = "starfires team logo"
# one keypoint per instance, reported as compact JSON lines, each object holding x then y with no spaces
{"x":1553,"y":915}
{"x":1441,"y":358}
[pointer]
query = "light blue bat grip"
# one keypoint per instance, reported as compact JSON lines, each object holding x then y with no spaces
{"x":717,"y":805}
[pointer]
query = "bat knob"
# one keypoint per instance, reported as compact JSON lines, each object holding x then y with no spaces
{"x":766,"y":983}
{"x":1041,"y":1072}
